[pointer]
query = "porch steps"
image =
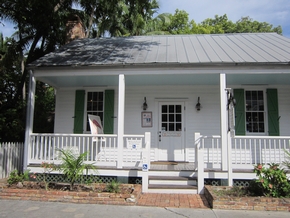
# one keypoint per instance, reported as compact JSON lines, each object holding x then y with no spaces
{"x":172,"y":184}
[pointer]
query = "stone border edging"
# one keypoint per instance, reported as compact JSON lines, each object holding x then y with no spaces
{"x":70,"y":197}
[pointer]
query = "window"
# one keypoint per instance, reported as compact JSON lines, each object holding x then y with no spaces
{"x":255,"y":112}
{"x":95,"y":106}
{"x":171,"y":117}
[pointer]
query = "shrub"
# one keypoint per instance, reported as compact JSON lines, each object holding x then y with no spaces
{"x":16,"y":177}
{"x":113,"y":187}
{"x":272,"y":181}
{"x":47,"y":169}
{"x":73,"y":166}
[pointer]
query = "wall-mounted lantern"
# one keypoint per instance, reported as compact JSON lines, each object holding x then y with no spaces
{"x":145,"y":106}
{"x":198,"y":105}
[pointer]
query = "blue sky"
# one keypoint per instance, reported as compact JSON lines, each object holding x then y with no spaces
{"x":276,"y":12}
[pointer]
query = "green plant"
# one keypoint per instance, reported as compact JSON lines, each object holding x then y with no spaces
{"x":272,"y":180}
{"x":287,"y":161}
{"x":73,"y":166}
{"x":16,"y":177}
{"x":47,"y":169}
{"x":113,"y":186}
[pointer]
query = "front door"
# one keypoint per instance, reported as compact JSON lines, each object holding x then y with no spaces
{"x":171,"y":131}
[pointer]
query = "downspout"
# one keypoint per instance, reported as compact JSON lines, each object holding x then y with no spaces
{"x":29,"y":117}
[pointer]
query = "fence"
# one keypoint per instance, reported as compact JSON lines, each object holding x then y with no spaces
{"x":11,"y":158}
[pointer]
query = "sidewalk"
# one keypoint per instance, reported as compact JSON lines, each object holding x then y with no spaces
{"x":31,"y":209}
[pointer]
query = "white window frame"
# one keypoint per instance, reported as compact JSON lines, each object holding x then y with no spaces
{"x":86,"y":109}
{"x":265,"y":111}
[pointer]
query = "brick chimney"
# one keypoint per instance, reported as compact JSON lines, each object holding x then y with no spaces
{"x":74,"y":29}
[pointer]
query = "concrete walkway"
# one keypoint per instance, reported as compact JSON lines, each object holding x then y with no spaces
{"x":31,"y":209}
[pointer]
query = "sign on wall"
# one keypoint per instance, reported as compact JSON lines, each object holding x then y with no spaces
{"x":146,"y":119}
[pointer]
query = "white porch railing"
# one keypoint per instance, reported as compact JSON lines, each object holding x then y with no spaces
{"x":246,"y":150}
{"x":102,"y":150}
{"x":251,"y":150}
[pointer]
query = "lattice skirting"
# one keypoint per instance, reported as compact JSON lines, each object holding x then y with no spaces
{"x":83,"y":179}
{"x":219,"y":182}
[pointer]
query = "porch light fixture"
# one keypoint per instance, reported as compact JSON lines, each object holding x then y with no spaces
{"x":198,"y":105}
{"x":145,"y":106}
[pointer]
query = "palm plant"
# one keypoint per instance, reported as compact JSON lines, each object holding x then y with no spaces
{"x":73,"y":166}
{"x":287,"y":159}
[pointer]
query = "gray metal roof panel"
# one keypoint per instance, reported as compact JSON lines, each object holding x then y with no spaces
{"x":192,"y":49}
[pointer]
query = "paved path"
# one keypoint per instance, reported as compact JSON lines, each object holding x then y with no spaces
{"x":35,"y":209}
{"x":173,"y":200}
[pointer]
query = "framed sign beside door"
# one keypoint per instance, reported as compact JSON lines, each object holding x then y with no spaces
{"x":146,"y":119}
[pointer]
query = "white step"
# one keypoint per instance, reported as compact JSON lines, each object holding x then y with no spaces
{"x":172,"y":184}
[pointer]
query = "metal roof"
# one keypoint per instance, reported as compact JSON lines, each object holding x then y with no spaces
{"x":252,"y":48}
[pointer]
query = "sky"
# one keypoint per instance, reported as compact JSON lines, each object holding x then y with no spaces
{"x":276,"y":12}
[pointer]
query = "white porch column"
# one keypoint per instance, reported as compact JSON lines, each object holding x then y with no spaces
{"x":223,"y":105}
{"x":29,"y":117}
{"x":121,"y":119}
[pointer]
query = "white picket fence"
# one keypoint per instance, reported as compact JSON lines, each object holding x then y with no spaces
{"x":11,"y":158}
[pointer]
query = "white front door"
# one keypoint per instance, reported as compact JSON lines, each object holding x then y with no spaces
{"x":171,"y":131}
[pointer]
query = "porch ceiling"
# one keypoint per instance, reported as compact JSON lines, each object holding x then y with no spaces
{"x":180,"y":79}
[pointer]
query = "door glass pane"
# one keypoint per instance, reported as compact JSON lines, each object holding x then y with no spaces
{"x":164,"y":108}
{"x":164,"y":126}
{"x":178,"y":127}
{"x":171,"y":117}
{"x":171,"y":126}
{"x":178,"y":118}
{"x":164,"y":117}
{"x":178,"y":109}
{"x":171,"y":108}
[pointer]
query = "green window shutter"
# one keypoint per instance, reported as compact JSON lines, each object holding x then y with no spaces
{"x":109,"y":112}
{"x":240,"y":125}
{"x":273,"y":112}
{"x":79,"y":111}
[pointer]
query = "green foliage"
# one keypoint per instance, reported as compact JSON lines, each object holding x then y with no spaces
{"x":47,"y":169}
{"x":16,"y":177}
{"x":113,"y":186}
{"x":44,"y":109}
{"x":272,"y":181}
{"x":73,"y":166}
{"x":287,"y":161}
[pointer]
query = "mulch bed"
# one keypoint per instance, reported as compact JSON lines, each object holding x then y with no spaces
{"x":259,"y":203}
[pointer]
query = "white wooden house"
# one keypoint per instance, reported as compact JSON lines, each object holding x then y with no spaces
{"x":187,"y":83}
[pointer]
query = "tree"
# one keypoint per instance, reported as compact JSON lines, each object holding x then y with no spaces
{"x":220,"y":24}
{"x":248,"y":25}
{"x":41,"y":28}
